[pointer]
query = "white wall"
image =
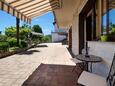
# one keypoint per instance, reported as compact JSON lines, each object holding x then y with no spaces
{"x":75,"y":35}
{"x":105,"y":50}
{"x":56,"y":37}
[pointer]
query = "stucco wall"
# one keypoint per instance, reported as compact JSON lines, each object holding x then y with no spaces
{"x":75,"y":26}
{"x":75,"y":35}
{"x":105,"y":50}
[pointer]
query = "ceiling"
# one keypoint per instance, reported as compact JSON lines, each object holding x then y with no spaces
{"x":112,"y":4}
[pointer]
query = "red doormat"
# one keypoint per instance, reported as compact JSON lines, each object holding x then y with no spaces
{"x":54,"y":75}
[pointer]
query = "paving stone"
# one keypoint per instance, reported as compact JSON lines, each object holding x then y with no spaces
{"x":19,"y":67}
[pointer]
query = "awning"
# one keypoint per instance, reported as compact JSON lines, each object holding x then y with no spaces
{"x":28,"y":9}
{"x":112,"y":4}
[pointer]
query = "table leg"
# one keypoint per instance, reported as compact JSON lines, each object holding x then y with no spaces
{"x":86,"y":66}
{"x":74,"y":68}
{"x":91,"y":67}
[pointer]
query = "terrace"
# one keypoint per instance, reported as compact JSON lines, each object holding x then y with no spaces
{"x":15,"y":69}
{"x":50,"y":65}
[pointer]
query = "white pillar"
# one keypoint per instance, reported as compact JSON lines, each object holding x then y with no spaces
{"x":75,"y":35}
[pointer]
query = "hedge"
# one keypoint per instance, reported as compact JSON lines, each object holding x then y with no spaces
{"x":4,"y":46}
{"x":12,"y":42}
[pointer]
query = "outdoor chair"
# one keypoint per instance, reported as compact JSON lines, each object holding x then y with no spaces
{"x":77,"y":62}
{"x":90,"y":79}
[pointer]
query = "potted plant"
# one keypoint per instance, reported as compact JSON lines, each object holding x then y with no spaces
{"x":104,"y":38}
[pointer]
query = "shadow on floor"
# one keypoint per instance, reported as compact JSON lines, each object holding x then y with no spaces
{"x":41,"y":46}
{"x":54,"y":75}
{"x":28,"y":52}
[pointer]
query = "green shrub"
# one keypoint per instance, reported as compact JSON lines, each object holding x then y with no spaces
{"x":13,"y":49}
{"x":23,"y":44}
{"x":4,"y":46}
{"x":3,"y":37}
{"x":12,"y":42}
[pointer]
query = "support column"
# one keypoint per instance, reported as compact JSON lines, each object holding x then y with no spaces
{"x":102,"y":13}
{"x":82,"y":33}
{"x":107,"y":16}
{"x":94,"y":23}
{"x":70,"y":38}
{"x":75,"y":34}
{"x":99,"y":18}
{"x":17,"y":27}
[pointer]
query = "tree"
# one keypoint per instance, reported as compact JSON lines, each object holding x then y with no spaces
{"x":46,"y":38}
{"x":11,"y":32}
{"x":37,"y":28}
{"x":25,"y":26}
{"x":36,"y":38}
{"x":113,"y":25}
{"x":24,"y":33}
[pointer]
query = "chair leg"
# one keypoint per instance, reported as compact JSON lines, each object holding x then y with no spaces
{"x":74,"y":68}
{"x":80,"y":66}
{"x":84,"y":66}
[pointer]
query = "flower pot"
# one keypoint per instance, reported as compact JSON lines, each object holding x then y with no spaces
{"x":104,"y":38}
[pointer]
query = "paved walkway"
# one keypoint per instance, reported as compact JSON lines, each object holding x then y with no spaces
{"x":15,"y":69}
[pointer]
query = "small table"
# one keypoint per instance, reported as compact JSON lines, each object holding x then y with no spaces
{"x":90,"y":59}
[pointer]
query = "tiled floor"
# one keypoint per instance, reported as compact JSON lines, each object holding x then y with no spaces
{"x":15,"y":69}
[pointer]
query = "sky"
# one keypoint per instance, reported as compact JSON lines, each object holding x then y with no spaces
{"x":111,"y":17}
{"x":45,"y":21}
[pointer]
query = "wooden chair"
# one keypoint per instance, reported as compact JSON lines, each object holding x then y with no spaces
{"x":90,"y":79}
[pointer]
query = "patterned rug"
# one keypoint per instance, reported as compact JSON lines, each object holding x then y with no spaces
{"x":54,"y":75}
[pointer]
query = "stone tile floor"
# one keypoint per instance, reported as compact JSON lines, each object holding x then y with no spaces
{"x":15,"y":69}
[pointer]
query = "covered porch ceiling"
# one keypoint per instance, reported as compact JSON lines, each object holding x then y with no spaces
{"x":28,"y":9}
{"x":64,"y":15}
